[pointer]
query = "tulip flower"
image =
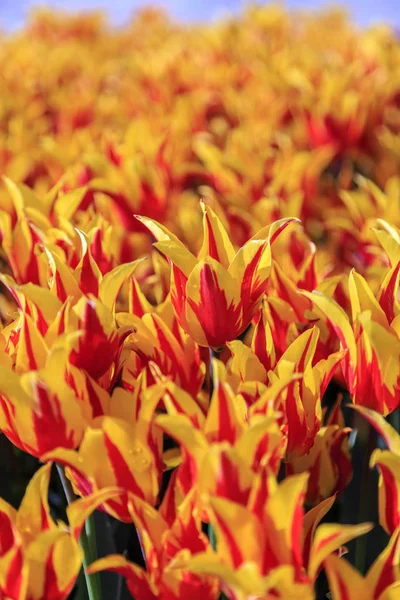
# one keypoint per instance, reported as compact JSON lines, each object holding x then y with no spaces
{"x":370,"y":368}
{"x":301,"y":402}
{"x":328,"y":463}
{"x":380,"y":583}
{"x":216,"y":295}
{"x":164,"y":343}
{"x":88,"y":327}
{"x":167,"y":199}
{"x":225,"y":440}
{"x":97,"y":343}
{"x":259,"y":546}
{"x":19,"y":239}
{"x":39,"y":413}
{"x":163,"y":545}
{"x":117,"y":453}
{"x":40,"y":558}
{"x":388,"y":464}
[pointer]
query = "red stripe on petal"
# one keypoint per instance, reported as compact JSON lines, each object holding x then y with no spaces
{"x":178,"y":293}
{"x":389,"y":572}
{"x":49,"y":424}
{"x":28,"y":346}
{"x":14,"y":578}
{"x":228,"y":482}
{"x":212,"y":244}
{"x":7,"y":539}
{"x":278,"y":232}
{"x":344,"y":591}
{"x":252,"y":287}
{"x":387,"y":299}
{"x":296,"y":536}
{"x":123,"y":475}
{"x":88,"y":282}
{"x":226,"y":427}
{"x":392,"y":500}
{"x":60,"y":289}
{"x":51,"y":584}
{"x":231,"y":542}
{"x":219,"y":320}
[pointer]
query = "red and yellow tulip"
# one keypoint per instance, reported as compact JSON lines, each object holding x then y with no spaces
{"x":216,"y":294}
{"x":164,"y":544}
{"x":40,"y":558}
{"x":199,"y":253}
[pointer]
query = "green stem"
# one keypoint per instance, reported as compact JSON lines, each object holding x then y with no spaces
{"x":211,"y":537}
{"x":364,"y":505}
{"x":92,"y":581}
{"x":87,"y":541}
{"x":213,"y":354}
{"x":90,"y":532}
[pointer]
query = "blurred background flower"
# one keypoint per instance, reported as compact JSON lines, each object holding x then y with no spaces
{"x":364,"y":12}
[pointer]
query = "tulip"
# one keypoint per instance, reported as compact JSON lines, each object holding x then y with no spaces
{"x":328,"y":463}
{"x":371,"y":366}
{"x":40,"y":558}
{"x":39,"y":413}
{"x":164,"y":343}
{"x":388,"y":464}
{"x":117,"y":453}
{"x":216,"y":295}
{"x":300,"y":403}
{"x":164,"y":545}
{"x":380,"y":583}
{"x":260,"y":546}
{"x":223,"y":441}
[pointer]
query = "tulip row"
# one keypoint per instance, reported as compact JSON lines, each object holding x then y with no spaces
{"x":200,"y":253}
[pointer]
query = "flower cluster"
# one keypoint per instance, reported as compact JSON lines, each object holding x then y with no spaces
{"x":200,"y":263}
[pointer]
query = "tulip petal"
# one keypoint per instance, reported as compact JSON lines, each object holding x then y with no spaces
{"x":239,"y":537}
{"x":310,"y":523}
{"x":341,"y":325}
{"x":328,"y":539}
{"x":216,"y":243}
{"x":389,"y":488}
{"x":138,"y":581}
{"x":345,"y":582}
{"x":33,"y":514}
{"x":363,"y":299}
{"x":388,"y":293}
{"x":385,"y":571}
{"x":32,"y":349}
{"x":215,"y":303}
{"x":81,"y":509}
{"x":113,"y":281}
{"x":55,"y":560}
{"x":389,"y":434}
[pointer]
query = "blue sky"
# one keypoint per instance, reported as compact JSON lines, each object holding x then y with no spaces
{"x":13,"y":12}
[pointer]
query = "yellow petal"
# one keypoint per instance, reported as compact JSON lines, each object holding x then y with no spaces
{"x":345,"y":581}
{"x":113,"y":281}
{"x":362,"y":299}
{"x":216,"y":243}
{"x":329,"y":538}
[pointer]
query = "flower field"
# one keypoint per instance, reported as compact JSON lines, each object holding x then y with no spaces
{"x":200,"y":309}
